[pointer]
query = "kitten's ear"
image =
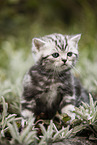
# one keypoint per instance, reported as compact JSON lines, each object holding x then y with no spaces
{"x":37,"y":43}
{"x":75,"y":38}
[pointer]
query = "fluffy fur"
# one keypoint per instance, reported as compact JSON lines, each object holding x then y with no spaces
{"x":49,"y":86}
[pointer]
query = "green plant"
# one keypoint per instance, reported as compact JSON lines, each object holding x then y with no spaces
{"x":52,"y":134}
{"x":23,"y":131}
{"x":87,"y":115}
{"x":11,"y":124}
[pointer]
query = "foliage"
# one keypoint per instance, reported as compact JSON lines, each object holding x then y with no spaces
{"x":87,"y":115}
{"x":11,"y":124}
{"x":52,"y":134}
{"x":17,"y":130}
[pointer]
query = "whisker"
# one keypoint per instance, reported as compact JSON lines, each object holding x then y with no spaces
{"x":76,"y":70}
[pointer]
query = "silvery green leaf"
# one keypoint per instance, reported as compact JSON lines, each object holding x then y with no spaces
{"x":55,"y":128}
{"x":14,"y":131}
{"x":66,"y":130}
{"x":78,"y":128}
{"x":7,"y":91}
{"x":83,"y":111}
{"x":10,"y":117}
{"x":5,"y":107}
{"x":3,"y":131}
{"x":86,"y":106}
{"x":78,"y":112}
{"x":81,"y":108}
{"x":58,"y":134}
{"x":50,"y":130}
{"x":94,"y":117}
{"x":92,"y":107}
{"x":27,"y":129}
{"x":30,"y":137}
{"x":95,"y":103}
{"x":43,"y":140}
{"x":3,"y":123}
{"x":68,"y":134}
{"x":76,"y":122}
{"x":43,"y":129}
{"x":18,"y":119}
{"x":47,"y":134}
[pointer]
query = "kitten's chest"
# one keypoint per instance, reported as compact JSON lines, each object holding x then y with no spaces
{"x":51,"y":92}
{"x":55,"y":90}
{"x":54,"y":85}
{"x":49,"y":86}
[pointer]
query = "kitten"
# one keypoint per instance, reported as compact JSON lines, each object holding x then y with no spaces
{"x":49,"y":85}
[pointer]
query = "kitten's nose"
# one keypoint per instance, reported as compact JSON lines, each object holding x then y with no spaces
{"x":64,"y":60}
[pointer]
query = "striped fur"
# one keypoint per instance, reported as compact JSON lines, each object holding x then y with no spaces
{"x":49,"y":86}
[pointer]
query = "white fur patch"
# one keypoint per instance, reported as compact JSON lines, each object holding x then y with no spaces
{"x":27,"y":80}
{"x":26,"y":113}
{"x":68,"y":110}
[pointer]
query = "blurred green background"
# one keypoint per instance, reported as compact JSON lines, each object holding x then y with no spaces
{"x":21,"y":20}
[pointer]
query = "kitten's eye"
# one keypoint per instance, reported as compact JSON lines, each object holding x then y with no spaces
{"x":69,"y":54}
{"x":55,"y":55}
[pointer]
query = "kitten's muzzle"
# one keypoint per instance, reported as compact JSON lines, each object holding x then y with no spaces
{"x":64,"y":60}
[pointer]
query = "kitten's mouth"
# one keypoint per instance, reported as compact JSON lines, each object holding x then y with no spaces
{"x":64,"y":64}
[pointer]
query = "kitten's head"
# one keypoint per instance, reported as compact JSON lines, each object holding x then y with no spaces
{"x":56,"y":51}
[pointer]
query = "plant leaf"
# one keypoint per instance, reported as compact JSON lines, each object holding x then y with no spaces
{"x":43,"y":129}
{"x":14,"y":131}
{"x":78,"y":128}
{"x":92,"y":107}
{"x":30,"y":137}
{"x":27,"y":129}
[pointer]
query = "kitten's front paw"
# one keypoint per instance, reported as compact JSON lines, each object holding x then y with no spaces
{"x":68,"y":109}
{"x":27,"y":113}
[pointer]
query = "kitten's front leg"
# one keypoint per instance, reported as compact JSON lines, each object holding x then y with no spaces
{"x":67,"y":106}
{"x":28,"y":101}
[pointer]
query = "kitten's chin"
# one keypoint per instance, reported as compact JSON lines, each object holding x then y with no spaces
{"x":57,"y":68}
{"x":62,"y":68}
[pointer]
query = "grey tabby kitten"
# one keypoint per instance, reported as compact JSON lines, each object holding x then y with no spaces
{"x":49,"y":86}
